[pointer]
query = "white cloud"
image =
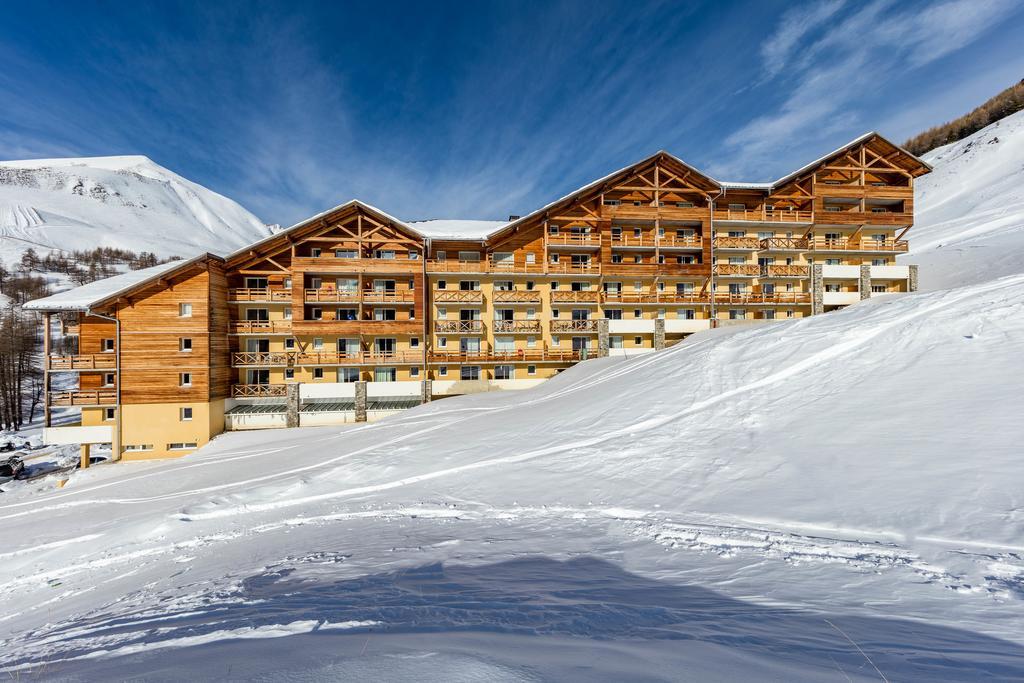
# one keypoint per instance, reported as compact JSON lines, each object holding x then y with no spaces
{"x":794,"y":25}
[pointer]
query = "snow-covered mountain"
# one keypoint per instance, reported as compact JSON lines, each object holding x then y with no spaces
{"x":125,"y":201}
{"x":807,"y":500}
{"x":969,"y":223}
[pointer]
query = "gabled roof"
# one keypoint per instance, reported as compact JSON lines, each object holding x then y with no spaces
{"x":94,"y":294}
{"x":457,"y":229}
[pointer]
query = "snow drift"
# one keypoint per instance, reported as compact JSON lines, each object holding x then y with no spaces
{"x":128,"y":202}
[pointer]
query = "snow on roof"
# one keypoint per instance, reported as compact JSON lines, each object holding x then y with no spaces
{"x":457,"y":228}
{"x":86,"y":296}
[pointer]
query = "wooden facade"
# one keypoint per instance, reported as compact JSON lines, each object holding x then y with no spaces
{"x":631,"y":262}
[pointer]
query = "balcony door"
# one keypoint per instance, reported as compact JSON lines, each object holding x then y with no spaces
{"x":348,"y":347}
{"x":257,"y":345}
{"x":384,"y":286}
{"x":384,"y":374}
{"x":503,"y":314}
{"x":257,"y":314}
{"x":384,"y":346}
{"x":256,"y":283}
{"x":581,"y":261}
{"x":469,"y":314}
{"x":580,"y":343}
{"x":469,"y":345}
{"x":581,"y":314}
{"x":257,"y":376}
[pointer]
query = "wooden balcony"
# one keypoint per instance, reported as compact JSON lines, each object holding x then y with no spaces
{"x":517,"y":356}
{"x":558,"y":326}
{"x":246,"y":359}
{"x":455,"y":266}
{"x":258,"y":390}
{"x":397,"y":296}
{"x":589,"y":296}
{"x":259,"y":295}
{"x":261,"y":326}
{"x":784,"y":270}
{"x":784,"y":244}
{"x":882,"y":218}
{"x":517,"y":326}
{"x":516,"y":296}
{"x":655,"y":298}
{"x":91,"y":361}
{"x":458,"y":296}
{"x":590,"y":240}
{"x":243,"y":359}
{"x":568,"y":268}
{"x":746,"y":243}
{"x":760,"y":298}
{"x":675,"y":242}
{"x":737,"y":269}
{"x":330,"y":264}
{"x":763,"y":215}
{"x":458,"y":326}
{"x":330,"y":295}
{"x":652,"y":269}
{"x":97,"y":397}
{"x":845,"y":244}
{"x":632,"y":241}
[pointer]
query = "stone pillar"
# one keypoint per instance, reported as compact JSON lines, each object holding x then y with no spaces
{"x":817,"y":290}
{"x":659,"y":334}
{"x":912,"y":278}
{"x":426,"y":390}
{"x":361,"y":401}
{"x":46,"y":369}
{"x":865,"y":281}
{"x":292,"y":405}
{"x":85,"y":451}
{"x":602,"y":338}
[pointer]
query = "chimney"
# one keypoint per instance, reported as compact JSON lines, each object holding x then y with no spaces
{"x":513,"y":218}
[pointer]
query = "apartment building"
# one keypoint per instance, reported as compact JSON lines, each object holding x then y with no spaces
{"x":353,"y":314}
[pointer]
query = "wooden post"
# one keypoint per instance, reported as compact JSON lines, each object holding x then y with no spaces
{"x":85,"y":453}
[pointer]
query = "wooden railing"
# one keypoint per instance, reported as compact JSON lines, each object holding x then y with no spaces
{"x":633,"y":241}
{"x":737,"y":243}
{"x":253,"y":358}
{"x":517,"y":356}
{"x":574,"y":325}
{"x":762,"y":215}
{"x":398,"y":296}
{"x":674,"y":241}
{"x":249,"y":359}
{"x":764,"y":298}
{"x":261,"y":326}
{"x":98,"y":397}
{"x":458,"y":326}
{"x":330,"y":295}
{"x":259,"y":294}
{"x":784,"y":244}
{"x":257,"y":390}
{"x":590,"y":296}
{"x":563,"y":239}
{"x":737,"y":269}
{"x":784,"y":270}
{"x":513,"y":326}
{"x":655,"y":298}
{"x":455,"y":266}
{"x":516,"y":296}
{"x":845,"y":244}
{"x":91,"y":361}
{"x":468,"y":296}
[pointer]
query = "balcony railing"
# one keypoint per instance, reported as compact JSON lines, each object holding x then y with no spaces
{"x":330,"y":295}
{"x":91,"y":361}
{"x":845,"y":244}
{"x":591,"y":239}
{"x":763,"y":298}
{"x":751,"y":243}
{"x":737,"y":269}
{"x":677,"y":242}
{"x":517,"y":326}
{"x":261,"y":326}
{"x":98,"y":397}
{"x":516,"y":296}
{"x":258,"y":390}
{"x":463,"y":296}
{"x":258,"y":359}
{"x":289,"y":359}
{"x":784,"y":244}
{"x":655,"y":298}
{"x":589,"y":296}
{"x":262,"y":294}
{"x":784,"y":270}
{"x":574,"y":326}
{"x":517,"y":356}
{"x":633,"y":241}
{"x":763,"y":215}
{"x":458,"y":326}
{"x":398,"y":296}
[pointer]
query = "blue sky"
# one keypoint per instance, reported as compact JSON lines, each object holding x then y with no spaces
{"x":480,"y":109}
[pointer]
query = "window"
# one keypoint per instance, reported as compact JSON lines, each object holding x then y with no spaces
{"x":315,"y":252}
{"x":832,"y":288}
{"x":384,"y":253}
{"x":552,"y":229}
{"x":531,"y":342}
{"x":684,"y":205}
{"x":613,"y":313}
{"x":107,"y":345}
{"x":108,"y":414}
{"x":554,"y":258}
{"x":348,"y":375}
{"x":768,"y":314}
{"x":833,"y":261}
{"x":531,"y":369}
{"x":531,"y":257}
{"x":316,"y":313}
{"x":287,"y":313}
{"x":469,"y":373}
{"x":318,"y":343}
{"x":441,"y":255}
{"x":789,"y":314}
{"x":529,"y":285}
{"x":185,"y":345}
{"x":878,"y":262}
{"x":504,"y":372}
{"x":185,"y":414}
{"x":879,"y":237}
{"x":685,"y":314}
{"x":616,"y":258}
{"x":442,"y":284}
{"x":181,"y":445}
{"x":414,"y":343}
{"x":287,"y":283}
{"x":384,"y":314}
{"x":879,"y":209}
{"x":469,"y":285}
{"x":469,"y":255}
{"x":185,"y":379}
{"x":346,"y":314}
{"x":637,"y":313}
{"x":345,"y":253}
{"x":737,"y":207}
{"x":289,"y":373}
{"x":108,"y":379}
{"x":878,"y":289}
{"x":737,"y":314}
{"x":638,"y":341}
{"x":414,"y":371}
{"x":765,"y":235}
{"x":443,"y":371}
{"x":414,"y":256}
{"x":442,"y":342}
{"x":289,"y":344}
{"x":615,"y":342}
{"x":612,"y":202}
{"x":318,"y":373}
{"x":138,"y":447}
{"x":184,"y":310}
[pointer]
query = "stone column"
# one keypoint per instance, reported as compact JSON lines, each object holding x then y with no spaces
{"x":817,"y":290}
{"x":865,"y":281}
{"x":361,"y":401}
{"x":659,"y":334}
{"x":912,"y":278}
{"x":46,"y":369}
{"x":602,"y":338}
{"x":292,"y":405}
{"x":426,"y":391}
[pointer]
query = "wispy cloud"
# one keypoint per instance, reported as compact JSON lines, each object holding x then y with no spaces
{"x":795,"y":24}
{"x":822,"y":74}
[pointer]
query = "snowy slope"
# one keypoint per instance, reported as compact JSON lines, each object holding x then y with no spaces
{"x":969,"y":223}
{"x":127,"y":201}
{"x":832,"y":498}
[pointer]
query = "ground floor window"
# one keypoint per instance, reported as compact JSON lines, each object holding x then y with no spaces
{"x":181,"y":445}
{"x":878,"y":289}
{"x":469,"y":372}
{"x":318,"y":373}
{"x":504,"y":372}
{"x":737,"y":314}
{"x":685,"y":314}
{"x":348,"y":375}
{"x":615,"y":342}
{"x":531,"y":369}
{"x":385,"y":374}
